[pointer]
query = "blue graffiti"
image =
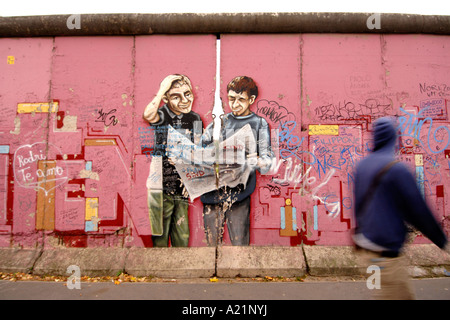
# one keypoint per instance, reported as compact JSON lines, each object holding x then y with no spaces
{"x":410,"y":125}
{"x":292,"y":143}
{"x":345,"y":159}
{"x":336,"y":209}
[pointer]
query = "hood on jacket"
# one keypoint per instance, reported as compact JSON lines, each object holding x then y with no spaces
{"x":385,"y":134}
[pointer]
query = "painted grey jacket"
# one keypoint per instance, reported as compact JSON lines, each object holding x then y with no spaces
{"x":261,"y":131}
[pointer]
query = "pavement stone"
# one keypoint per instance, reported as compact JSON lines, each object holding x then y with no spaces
{"x":332,"y":261}
{"x":93,"y":262}
{"x":171,"y":262}
{"x":260,"y":261}
{"x":427,"y":260}
{"x":17,"y":260}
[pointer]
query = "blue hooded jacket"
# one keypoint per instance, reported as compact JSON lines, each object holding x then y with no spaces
{"x":396,"y":200}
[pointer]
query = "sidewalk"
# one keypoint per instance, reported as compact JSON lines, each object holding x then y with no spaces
{"x":223,"y":291}
{"x":426,"y":261}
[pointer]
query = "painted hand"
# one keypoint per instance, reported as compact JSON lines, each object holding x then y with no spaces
{"x":252,"y":160}
{"x":167,"y":83}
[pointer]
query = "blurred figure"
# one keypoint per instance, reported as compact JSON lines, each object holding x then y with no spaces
{"x":384,"y":208}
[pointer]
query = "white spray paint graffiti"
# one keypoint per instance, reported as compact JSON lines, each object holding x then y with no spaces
{"x":296,"y":178}
{"x":336,"y":208}
{"x":27,"y":173}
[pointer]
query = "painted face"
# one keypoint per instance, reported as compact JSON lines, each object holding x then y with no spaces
{"x":179,"y":99}
{"x":240,"y":103}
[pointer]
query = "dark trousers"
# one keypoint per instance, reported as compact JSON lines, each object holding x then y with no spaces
{"x":237,"y":217}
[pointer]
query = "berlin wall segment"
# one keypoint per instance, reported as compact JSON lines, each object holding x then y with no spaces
{"x":83,"y":168}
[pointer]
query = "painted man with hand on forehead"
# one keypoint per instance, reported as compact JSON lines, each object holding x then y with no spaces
{"x":232,"y":204}
{"x":176,"y":93}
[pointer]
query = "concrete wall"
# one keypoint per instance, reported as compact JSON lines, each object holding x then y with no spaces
{"x":74,"y":147}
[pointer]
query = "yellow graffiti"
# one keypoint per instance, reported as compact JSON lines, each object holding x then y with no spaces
{"x":91,"y":208}
{"x":329,"y":130}
{"x":41,"y":107}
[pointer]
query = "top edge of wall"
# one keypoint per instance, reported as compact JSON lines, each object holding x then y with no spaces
{"x":221,"y":23}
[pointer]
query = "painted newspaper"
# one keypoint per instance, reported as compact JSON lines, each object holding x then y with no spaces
{"x":222,"y":163}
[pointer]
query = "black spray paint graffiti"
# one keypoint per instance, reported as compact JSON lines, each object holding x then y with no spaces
{"x":106,"y":117}
{"x":435,"y":89}
{"x":272,"y":111}
{"x":348,"y":110}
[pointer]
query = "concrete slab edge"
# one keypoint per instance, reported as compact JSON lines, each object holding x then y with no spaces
{"x":425,"y":260}
{"x":203,"y":262}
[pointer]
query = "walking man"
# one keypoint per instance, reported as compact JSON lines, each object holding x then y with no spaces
{"x":384,"y":208}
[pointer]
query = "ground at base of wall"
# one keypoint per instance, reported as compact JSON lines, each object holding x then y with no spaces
{"x":303,"y":263}
{"x":125,"y":278}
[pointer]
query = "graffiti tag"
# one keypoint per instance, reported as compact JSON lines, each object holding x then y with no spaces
{"x":32,"y":169}
{"x":274,"y":112}
{"x":290,"y":143}
{"x":106,"y":117}
{"x":410,"y":125}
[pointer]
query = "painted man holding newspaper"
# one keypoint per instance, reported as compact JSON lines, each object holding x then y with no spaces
{"x":231,"y":201}
{"x":167,"y":197}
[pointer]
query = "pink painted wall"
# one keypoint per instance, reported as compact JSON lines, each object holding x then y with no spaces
{"x":97,"y":142}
